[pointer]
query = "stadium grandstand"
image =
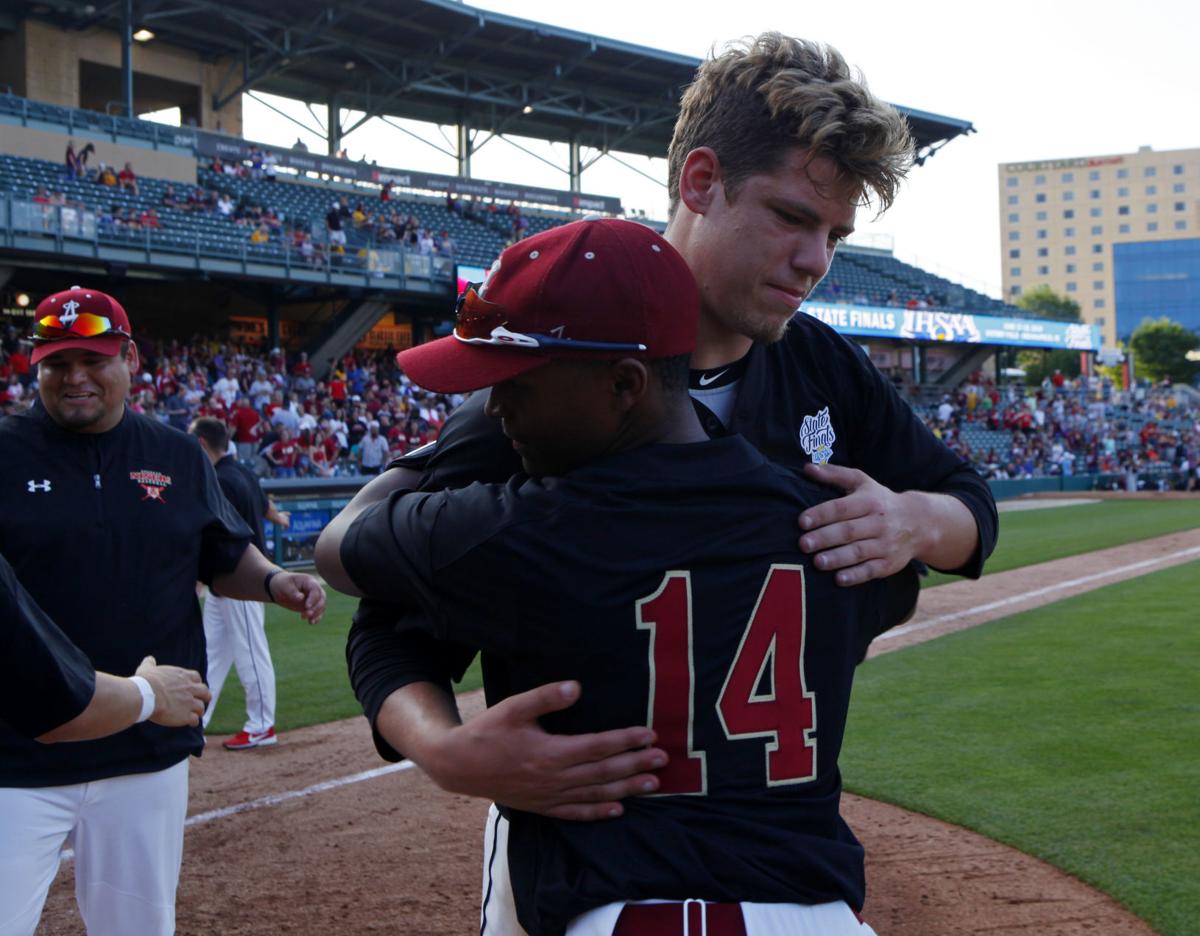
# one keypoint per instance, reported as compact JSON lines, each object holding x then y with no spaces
{"x":306,"y":271}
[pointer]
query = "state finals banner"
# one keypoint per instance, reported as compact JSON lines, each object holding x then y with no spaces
{"x":958,"y":327}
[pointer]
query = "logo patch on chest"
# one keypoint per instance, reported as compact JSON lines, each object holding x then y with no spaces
{"x":817,"y":437}
{"x":153,"y":483}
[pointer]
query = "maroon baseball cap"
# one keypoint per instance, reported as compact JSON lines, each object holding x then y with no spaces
{"x":604,"y":288}
{"x":79,"y":318}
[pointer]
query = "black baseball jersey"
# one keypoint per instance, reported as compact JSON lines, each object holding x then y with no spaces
{"x":813,"y":396}
{"x":667,"y":581}
{"x":240,"y":486}
{"x":109,"y":532}
{"x":45,"y":680}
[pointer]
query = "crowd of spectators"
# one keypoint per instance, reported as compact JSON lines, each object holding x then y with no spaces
{"x":283,"y":421}
{"x":1148,"y":435}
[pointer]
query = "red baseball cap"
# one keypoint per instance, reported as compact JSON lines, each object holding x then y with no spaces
{"x":79,"y":318}
{"x":603,"y":288}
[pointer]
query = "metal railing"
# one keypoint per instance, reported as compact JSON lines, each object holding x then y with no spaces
{"x":72,"y":230}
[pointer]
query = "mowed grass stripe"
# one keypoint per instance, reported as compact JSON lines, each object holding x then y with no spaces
{"x":1071,"y":732}
{"x":1028,"y":537}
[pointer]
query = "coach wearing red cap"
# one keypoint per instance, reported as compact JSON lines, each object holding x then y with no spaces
{"x":109,"y":518}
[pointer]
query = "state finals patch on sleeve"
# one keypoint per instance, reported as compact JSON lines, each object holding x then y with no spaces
{"x":817,"y":437}
{"x":154,"y":483}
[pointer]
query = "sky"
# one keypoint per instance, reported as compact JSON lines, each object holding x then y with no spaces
{"x":1048,"y":79}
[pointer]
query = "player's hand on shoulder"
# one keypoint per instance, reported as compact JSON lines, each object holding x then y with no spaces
{"x":871,"y":532}
{"x":299,"y":592}
{"x":505,"y":755}
{"x":179,"y":694}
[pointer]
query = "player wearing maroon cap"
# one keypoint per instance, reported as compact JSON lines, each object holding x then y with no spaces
{"x":655,"y":565}
{"x":109,"y":518}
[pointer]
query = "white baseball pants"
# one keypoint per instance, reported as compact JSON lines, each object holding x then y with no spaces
{"x":236,"y":635}
{"x":499,"y":912}
{"x":127,"y":833}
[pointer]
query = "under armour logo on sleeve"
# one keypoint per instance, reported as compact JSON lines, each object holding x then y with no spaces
{"x":34,"y":486}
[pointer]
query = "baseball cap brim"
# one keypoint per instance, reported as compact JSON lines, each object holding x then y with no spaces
{"x":108,"y":345}
{"x":452,"y":366}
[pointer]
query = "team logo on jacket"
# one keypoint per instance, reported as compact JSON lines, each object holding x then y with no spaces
{"x":817,"y":437}
{"x":154,"y":483}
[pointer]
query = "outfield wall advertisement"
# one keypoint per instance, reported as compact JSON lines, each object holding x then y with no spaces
{"x":959,"y":327}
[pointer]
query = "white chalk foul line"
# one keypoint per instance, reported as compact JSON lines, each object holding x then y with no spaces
{"x":276,"y":798}
{"x":1025,"y":596}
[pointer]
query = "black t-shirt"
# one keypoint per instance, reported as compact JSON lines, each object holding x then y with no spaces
{"x":45,"y":680}
{"x":667,"y":581}
{"x":109,"y":532}
{"x":240,"y":486}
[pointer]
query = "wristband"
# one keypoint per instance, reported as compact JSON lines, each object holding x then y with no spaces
{"x":267,"y":583}
{"x":148,"y":700}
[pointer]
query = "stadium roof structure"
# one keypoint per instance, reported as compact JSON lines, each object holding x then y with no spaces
{"x":432,"y":60}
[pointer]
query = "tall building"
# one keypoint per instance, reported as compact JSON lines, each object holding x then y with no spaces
{"x":1118,"y":234}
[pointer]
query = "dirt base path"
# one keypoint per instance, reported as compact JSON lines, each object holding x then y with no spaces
{"x":316,"y":836}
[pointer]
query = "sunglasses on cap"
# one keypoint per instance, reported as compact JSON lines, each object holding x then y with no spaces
{"x":480,"y":322}
{"x":83,"y":325}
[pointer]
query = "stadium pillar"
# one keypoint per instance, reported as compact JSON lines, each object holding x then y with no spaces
{"x":127,"y":56}
{"x":273,"y":326}
{"x":575,"y":165}
{"x":464,"y":150}
{"x":334,"y":121}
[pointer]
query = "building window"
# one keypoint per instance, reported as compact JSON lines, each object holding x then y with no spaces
{"x":1072,"y":287}
{"x":1014,"y":290}
{"x":1068,"y":177}
{"x":1014,"y":235}
{"x":1097,"y":248}
{"x":1012,"y":181}
{"x":1099,"y":319}
{"x":1039,"y":180}
{"x":1095,"y":212}
{"x":1151,"y":189}
{"x":1041,"y":234}
{"x":1041,"y":216}
{"x":1014,"y":254}
{"x":1097,"y":230}
{"x":1097,"y":284}
{"x":1070,"y":268}
{"x":1043,"y":271}
{"x":1069,"y":250}
{"x":1178,"y":170}
{"x":1123,"y":229}
{"x":1094,"y":175}
{"x":1043,"y":251}
{"x":1068,"y":196}
{"x":1069,"y":232}
{"x":1151,"y":226}
{"x":1094,"y":193}
{"x":1098,"y":266}
{"x":1098,"y":304}
{"x":1014,"y":199}
{"x":1123,"y":191}
{"x":1040,"y":197}
{"x":1013,"y":218}
{"x":1069,"y":213}
{"x":1177,"y":188}
{"x":1122,"y":209}
{"x":1150,"y":171}
{"x":1122,"y":173}
{"x":1014,"y":271}
{"x":1179,"y":206}
{"x":1181,"y":225}
{"x":1152,"y":208}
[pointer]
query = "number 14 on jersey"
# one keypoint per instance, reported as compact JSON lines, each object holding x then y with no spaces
{"x":772,"y":645}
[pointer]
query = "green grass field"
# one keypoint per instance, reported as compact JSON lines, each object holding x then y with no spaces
{"x":1071,"y":732}
{"x":1028,"y":537}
